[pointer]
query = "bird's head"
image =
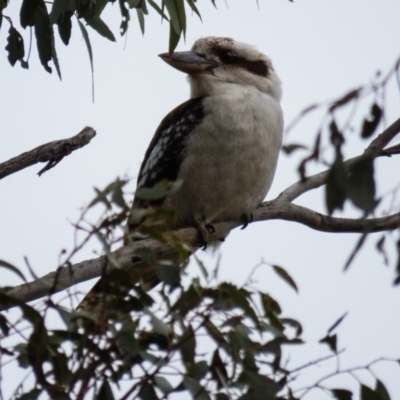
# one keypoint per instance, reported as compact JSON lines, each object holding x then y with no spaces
{"x":215,"y":62}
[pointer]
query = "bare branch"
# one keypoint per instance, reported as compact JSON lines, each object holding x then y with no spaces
{"x":390,"y":151}
{"x":70,"y":275}
{"x":279,"y":208}
{"x":52,"y":153}
{"x":325,"y":223}
{"x":126,"y":256}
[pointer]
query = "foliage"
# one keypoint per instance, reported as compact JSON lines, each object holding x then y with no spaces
{"x":150,"y":345}
{"x":44,"y":16}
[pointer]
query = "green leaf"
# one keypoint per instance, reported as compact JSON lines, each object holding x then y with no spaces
{"x":194,"y":8}
{"x":371,"y":122}
{"x":28,"y":10}
{"x":158,"y":325}
{"x":87,"y":42}
{"x":336,"y":186}
{"x":169,"y":274}
{"x":33,"y":394}
{"x":64,"y":24}
{"x":286,"y":277}
{"x":174,"y":17}
{"x":13,"y":269}
{"x":357,"y":248}
{"x":331,"y":341}
{"x":381,"y":390}
{"x":173,"y":38}
{"x":65,"y":315}
{"x":117,"y":195}
{"x":147,"y":392}
{"x":101,"y":27}
{"x":259,"y":386}
{"x":4,"y":325}
{"x":188,"y":300}
{"x":240,"y":300}
{"x":369,"y":394}
{"x":342,"y":394}
{"x":157,"y":192}
{"x":215,"y":333}
{"x":200,"y":369}
{"x":15,"y":46}
{"x":127,"y":343}
{"x":336,"y":136}
{"x":163,"y":384}
{"x":62,"y":373}
{"x":294,"y":324}
{"x":140,"y":17}
{"x":290,"y":148}
{"x":218,"y":370}
{"x":221,"y":396}
{"x":380,"y":246}
{"x":187,"y":347}
{"x":180,"y":8}
{"x":59,"y":7}
{"x":353,"y":94}
{"x":54,"y":55}
{"x":43,"y":33}
{"x":86,"y":9}
{"x":134,"y":3}
{"x":197,"y":391}
{"x":336,"y":323}
{"x":105,"y":392}
{"x":269,"y":304}
{"x":361,"y":186}
{"x":3,"y":5}
{"x":158,"y":9}
{"x":249,"y":362}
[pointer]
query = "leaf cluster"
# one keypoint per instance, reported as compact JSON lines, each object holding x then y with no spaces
{"x":43,"y":17}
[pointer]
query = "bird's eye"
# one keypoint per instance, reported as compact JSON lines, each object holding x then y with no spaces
{"x":227,"y":57}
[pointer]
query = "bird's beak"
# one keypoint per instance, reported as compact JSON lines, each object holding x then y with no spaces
{"x":189,"y":62}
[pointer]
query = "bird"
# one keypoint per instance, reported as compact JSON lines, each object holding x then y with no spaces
{"x":222,"y":144}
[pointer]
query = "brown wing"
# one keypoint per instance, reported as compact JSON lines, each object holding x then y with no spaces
{"x":165,"y":153}
{"x":161,"y":162}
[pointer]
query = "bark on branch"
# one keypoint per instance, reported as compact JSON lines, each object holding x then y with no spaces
{"x":279,"y":208}
{"x":52,"y":153}
{"x":69,"y":276}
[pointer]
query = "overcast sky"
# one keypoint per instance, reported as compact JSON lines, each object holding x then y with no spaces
{"x":319,"y":49}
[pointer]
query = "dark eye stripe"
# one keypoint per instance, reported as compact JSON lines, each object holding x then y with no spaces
{"x":257,"y":67}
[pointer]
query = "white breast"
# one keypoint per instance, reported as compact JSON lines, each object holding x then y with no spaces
{"x":231,"y":157}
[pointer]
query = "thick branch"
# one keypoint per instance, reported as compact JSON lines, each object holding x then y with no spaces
{"x":52,"y":153}
{"x":325,"y":223}
{"x":68,"y":276}
{"x":279,"y":208}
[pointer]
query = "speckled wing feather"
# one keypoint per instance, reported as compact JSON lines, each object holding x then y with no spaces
{"x":161,"y":162}
{"x":165,"y":152}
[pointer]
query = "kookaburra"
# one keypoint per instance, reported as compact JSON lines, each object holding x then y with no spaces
{"x":223,"y":143}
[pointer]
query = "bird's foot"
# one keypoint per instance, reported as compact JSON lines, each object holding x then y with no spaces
{"x":246,"y":219}
{"x":204,"y":231}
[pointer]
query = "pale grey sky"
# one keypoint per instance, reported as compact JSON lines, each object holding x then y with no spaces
{"x":320,"y":50}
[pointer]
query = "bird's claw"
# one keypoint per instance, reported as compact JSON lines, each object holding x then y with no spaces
{"x":247,"y":219}
{"x":204,"y":230}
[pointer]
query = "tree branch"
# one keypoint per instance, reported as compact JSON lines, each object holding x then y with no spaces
{"x":375,"y":149}
{"x":52,"y":153}
{"x":279,"y":208}
{"x":67,"y":276}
